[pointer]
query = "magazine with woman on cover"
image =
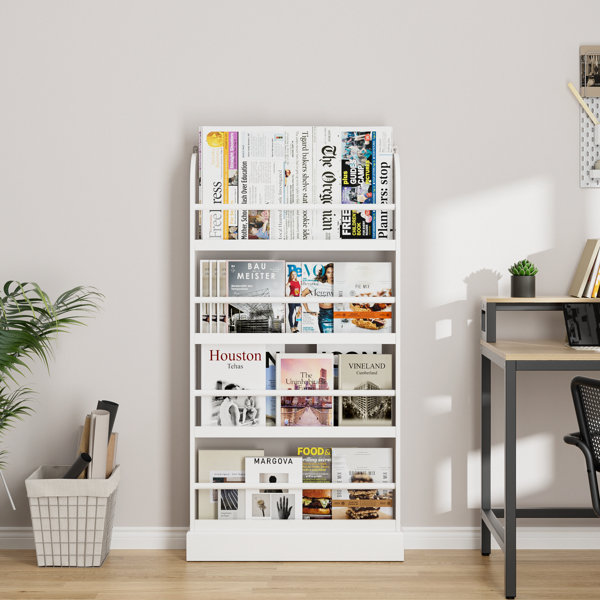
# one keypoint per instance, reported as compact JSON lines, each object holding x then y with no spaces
{"x":292,"y":289}
{"x":317,"y":282}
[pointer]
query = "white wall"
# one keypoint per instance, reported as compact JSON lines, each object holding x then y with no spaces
{"x":100,"y":103}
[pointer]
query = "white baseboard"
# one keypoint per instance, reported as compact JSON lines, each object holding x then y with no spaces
{"x":415,"y":538}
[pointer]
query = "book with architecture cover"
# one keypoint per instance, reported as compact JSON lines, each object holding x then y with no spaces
{"x":256,"y":278}
{"x":316,"y":292}
{"x":236,"y":368}
{"x":362,"y":465}
{"x":305,"y":372}
{"x":370,"y":283}
{"x":365,"y":372}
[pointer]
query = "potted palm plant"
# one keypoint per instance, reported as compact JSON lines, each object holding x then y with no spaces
{"x":29,"y":322}
{"x":522,"y":282}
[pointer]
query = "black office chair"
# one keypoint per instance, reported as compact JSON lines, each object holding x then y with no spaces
{"x":586,"y":398}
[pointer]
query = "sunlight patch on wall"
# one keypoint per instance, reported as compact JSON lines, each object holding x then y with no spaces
{"x":533,"y":475}
{"x":486,"y":230}
{"x":438,"y":405}
{"x":443,"y":329}
{"x":443,"y":486}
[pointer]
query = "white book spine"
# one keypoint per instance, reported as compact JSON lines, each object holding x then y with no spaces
{"x":327,"y":184}
{"x":98,"y":444}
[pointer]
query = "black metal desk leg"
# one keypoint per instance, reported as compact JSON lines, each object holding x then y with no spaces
{"x":510,"y":481}
{"x":486,"y":420}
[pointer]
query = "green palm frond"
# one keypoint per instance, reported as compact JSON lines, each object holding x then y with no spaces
{"x":29,"y":322}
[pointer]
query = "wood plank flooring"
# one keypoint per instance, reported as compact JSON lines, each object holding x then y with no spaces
{"x":431,"y":575}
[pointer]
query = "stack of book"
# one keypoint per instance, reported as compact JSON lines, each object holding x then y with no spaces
{"x":364,"y":285}
{"x":586,"y":281}
{"x":310,"y":465}
{"x":294,"y":166}
{"x":235,"y":372}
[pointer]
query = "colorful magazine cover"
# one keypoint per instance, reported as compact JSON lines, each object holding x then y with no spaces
{"x":318,"y":283}
{"x":316,"y":468}
{"x":233,"y":368}
{"x":305,"y":372}
{"x":293,"y":323}
{"x":369,"y":283}
{"x":368,"y":373}
{"x":256,"y":278}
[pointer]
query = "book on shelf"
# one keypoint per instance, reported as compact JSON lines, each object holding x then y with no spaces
{"x":222,"y":466}
{"x":584,"y":268}
{"x":214,"y":144}
{"x":256,"y":278}
{"x":370,"y":372}
{"x":293,"y":286}
{"x":272,"y":402}
{"x":305,"y":372}
{"x":98,"y":445}
{"x":318,"y":283}
{"x":205,"y":290}
{"x":222,"y":307}
{"x":327,"y":180}
{"x":369,"y":283}
{"x":362,"y":465}
{"x":233,"y":368}
{"x":274,"y":504}
{"x":316,"y":468}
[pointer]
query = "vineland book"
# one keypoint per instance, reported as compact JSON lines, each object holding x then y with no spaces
{"x":360,"y":372}
{"x":256,"y":278}
{"x":278,"y":504}
{"x":370,"y":283}
{"x":362,"y":465}
{"x":305,"y":372}
{"x":233,"y":368}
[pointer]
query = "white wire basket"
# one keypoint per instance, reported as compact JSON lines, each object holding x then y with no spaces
{"x":72,"y":518}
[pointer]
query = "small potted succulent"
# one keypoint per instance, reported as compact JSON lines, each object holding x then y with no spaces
{"x":522,"y":282}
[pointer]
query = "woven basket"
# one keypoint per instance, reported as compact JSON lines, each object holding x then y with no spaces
{"x":72,"y":518}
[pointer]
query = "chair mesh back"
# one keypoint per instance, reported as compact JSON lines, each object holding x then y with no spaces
{"x":586,"y":397}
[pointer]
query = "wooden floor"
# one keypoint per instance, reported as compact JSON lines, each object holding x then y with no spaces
{"x":439,"y":574}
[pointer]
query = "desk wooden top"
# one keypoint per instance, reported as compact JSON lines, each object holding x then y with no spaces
{"x":541,"y":350}
{"x":536,"y":300}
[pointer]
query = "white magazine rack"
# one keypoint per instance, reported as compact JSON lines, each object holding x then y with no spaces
{"x":297,"y":540}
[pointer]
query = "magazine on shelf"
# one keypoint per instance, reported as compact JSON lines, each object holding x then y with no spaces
{"x":370,"y":283}
{"x":365,"y":372}
{"x":305,"y":372}
{"x":293,"y":286}
{"x":298,"y":181}
{"x":256,"y":278}
{"x":318,"y":283}
{"x":272,"y":402}
{"x":214,"y":148}
{"x":360,"y":165}
{"x":362,"y":465}
{"x":316,"y":468}
{"x":220,"y":466}
{"x":274,"y":504}
{"x":385,"y":195}
{"x":231,"y":219}
{"x":261,"y":164}
{"x":327,"y":167}
{"x":337,"y":350}
{"x":204,"y":292}
{"x":198,"y":234}
{"x":233,"y":368}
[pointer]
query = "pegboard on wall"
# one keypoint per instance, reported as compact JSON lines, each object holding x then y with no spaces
{"x":590,"y":148}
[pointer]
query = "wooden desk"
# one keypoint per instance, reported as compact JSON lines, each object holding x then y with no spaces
{"x":512,"y":357}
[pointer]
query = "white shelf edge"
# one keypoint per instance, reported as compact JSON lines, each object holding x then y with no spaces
{"x":354,"y":393}
{"x":304,"y":525}
{"x":371,"y":432}
{"x":337,"y":207}
{"x":295,"y":338}
{"x":303,"y":246}
{"x":312,"y":485}
{"x":294,"y":299}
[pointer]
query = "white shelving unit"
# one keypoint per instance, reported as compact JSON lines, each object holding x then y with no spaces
{"x":299,"y":540}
